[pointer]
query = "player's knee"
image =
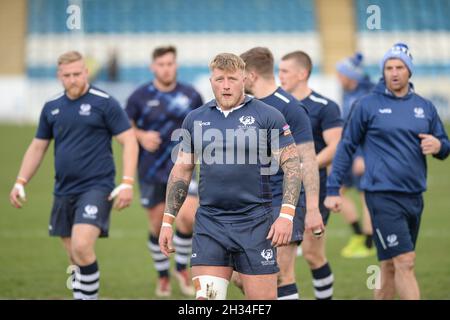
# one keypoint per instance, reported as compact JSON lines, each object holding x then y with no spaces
{"x":285,"y":276}
{"x":81,"y":251}
{"x":388,"y":267}
{"x":314,"y":258}
{"x":405,"y":262}
{"x":210,"y":287}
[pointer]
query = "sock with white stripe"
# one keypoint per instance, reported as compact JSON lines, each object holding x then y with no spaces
{"x":162,"y":263}
{"x":288,"y":292}
{"x":323,"y":282}
{"x":183,"y":248}
{"x":86,"y":282}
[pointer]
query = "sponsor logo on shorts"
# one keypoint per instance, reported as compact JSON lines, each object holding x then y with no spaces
{"x":392,"y":240}
{"x":194,"y":255}
{"x":267,"y":254}
{"x":85,"y":109}
{"x":90,"y":212}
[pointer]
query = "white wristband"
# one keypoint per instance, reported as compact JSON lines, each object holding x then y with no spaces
{"x":166,"y":224}
{"x":169,"y":214}
{"x":21,"y":190}
{"x":119,"y":188}
{"x":287,"y":216}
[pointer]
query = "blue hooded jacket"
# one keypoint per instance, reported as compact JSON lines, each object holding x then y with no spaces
{"x":387,"y":128}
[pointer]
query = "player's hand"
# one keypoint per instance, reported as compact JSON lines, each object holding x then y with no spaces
{"x":333,"y":203}
{"x":429,"y":144}
{"x":165,"y":240}
{"x":17,"y":195}
{"x":280,"y":232}
{"x":150,"y":140}
{"x":314,"y":222}
{"x":123,"y":194}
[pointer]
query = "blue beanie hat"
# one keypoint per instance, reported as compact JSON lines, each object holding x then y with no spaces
{"x":352,"y":67}
{"x":399,"y":51}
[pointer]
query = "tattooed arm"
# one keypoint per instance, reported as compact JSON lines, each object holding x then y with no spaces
{"x":311,"y":183}
{"x":290,"y":163}
{"x":281,"y":230}
{"x":176,"y":193}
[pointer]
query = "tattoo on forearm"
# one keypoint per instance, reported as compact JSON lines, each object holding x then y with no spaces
{"x":309,"y":172}
{"x":290,"y":163}
{"x":177,"y":190}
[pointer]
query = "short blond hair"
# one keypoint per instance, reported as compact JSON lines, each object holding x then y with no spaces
{"x":69,"y":57}
{"x":227,"y":62}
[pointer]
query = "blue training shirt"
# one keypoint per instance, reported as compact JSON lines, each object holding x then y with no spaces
{"x":324,"y":114}
{"x":297,"y":118}
{"x":387,"y":127}
{"x":349,"y":97}
{"x":232,"y":184}
{"x":151,"y":109}
{"x":82,"y":130}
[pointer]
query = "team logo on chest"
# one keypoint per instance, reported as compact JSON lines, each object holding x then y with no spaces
{"x":85,"y":109}
{"x":419,"y":113}
{"x":247,"y":122}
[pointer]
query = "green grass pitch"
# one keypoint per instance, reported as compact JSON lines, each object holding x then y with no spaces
{"x":33,"y":265}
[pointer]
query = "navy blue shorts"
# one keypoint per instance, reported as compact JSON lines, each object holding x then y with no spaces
{"x":91,"y":207}
{"x":395,"y":220}
{"x":241,"y":245}
{"x":299,"y":223}
{"x":153,"y":194}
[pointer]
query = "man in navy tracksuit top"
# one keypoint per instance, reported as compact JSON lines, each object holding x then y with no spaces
{"x":396,"y":128}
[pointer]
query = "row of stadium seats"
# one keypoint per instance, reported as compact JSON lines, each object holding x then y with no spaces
{"x":136,"y":16}
{"x":201,"y":28}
